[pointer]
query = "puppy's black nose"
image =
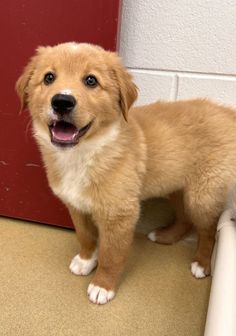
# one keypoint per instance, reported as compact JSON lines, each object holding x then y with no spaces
{"x":62,"y":103}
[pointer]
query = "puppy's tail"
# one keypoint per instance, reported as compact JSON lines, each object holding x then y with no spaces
{"x":231,"y":204}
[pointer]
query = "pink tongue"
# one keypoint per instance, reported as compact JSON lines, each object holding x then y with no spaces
{"x":63,"y":131}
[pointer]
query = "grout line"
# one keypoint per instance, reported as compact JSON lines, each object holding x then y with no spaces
{"x":174,"y":88}
{"x":189,"y":74}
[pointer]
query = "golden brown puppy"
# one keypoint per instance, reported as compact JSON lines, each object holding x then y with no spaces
{"x":101,"y":162}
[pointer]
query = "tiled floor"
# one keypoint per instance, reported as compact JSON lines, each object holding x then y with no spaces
{"x":39,"y":296}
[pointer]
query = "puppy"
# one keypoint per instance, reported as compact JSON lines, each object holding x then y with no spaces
{"x":102,"y":157}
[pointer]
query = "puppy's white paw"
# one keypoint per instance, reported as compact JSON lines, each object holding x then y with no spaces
{"x":152,"y":236}
{"x":99,"y":295}
{"x":197,"y":270}
{"x":80,"y":266}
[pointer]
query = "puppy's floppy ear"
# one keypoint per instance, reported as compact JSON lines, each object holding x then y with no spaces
{"x":127,"y":89}
{"x":23,"y":80}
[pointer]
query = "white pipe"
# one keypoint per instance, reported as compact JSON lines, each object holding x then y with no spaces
{"x":221,"y":315}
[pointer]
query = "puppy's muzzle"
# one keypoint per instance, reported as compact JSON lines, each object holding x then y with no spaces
{"x":63,"y":104}
{"x":63,"y":130}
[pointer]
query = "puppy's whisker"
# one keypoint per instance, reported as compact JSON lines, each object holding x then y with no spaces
{"x":91,"y":114}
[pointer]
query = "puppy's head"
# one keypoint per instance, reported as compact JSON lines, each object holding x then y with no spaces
{"x":74,"y":91}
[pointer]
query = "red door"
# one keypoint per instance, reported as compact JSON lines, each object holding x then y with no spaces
{"x":26,"y":24}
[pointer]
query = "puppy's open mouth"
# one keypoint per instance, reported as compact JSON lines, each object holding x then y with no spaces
{"x":67,"y":134}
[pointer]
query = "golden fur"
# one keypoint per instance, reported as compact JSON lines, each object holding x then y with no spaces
{"x":231,"y":204}
{"x":185,"y":150}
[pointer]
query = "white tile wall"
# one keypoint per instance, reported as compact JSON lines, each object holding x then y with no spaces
{"x":222,"y":89}
{"x":153,"y":85}
{"x":180,"y":49}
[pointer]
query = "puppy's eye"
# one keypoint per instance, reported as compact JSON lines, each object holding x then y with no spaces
{"x":49,"y":78}
{"x":91,"y":81}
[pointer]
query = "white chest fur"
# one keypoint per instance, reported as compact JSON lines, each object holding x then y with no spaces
{"x":78,"y":166}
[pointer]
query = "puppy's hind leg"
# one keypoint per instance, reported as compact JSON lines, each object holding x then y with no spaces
{"x":200,"y":267}
{"x":204,"y":208}
{"x":173,"y":232}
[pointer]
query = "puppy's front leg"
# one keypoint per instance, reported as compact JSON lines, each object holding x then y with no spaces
{"x":115,"y":238}
{"x":84,"y":262}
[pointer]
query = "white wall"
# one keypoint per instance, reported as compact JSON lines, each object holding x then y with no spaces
{"x":180,"y":49}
